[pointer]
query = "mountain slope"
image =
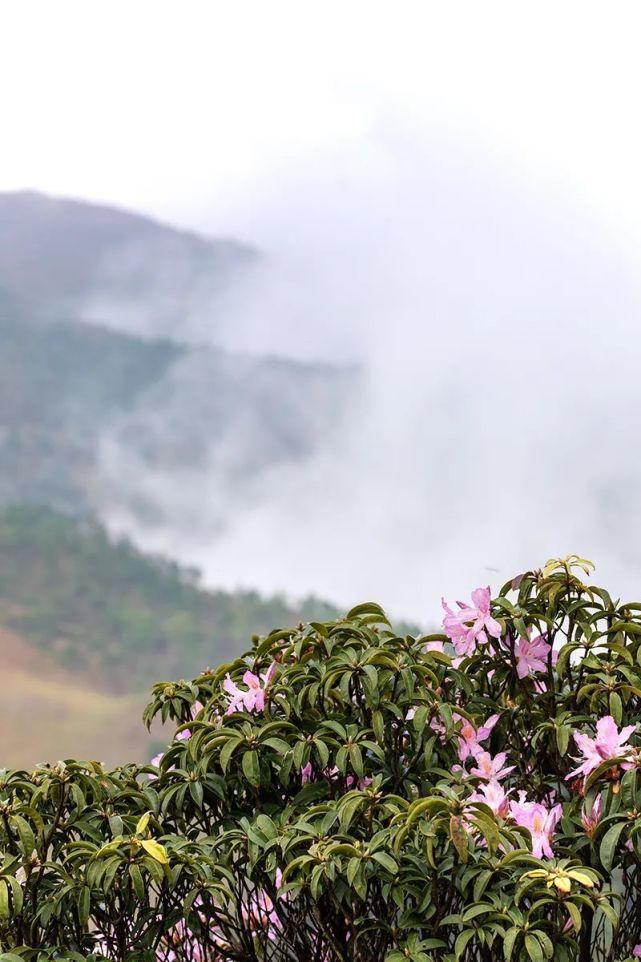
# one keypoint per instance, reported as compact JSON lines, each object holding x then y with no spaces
{"x":68,"y":258}
{"x":96,"y":420}
{"x":88,"y":623}
{"x":103,"y":611}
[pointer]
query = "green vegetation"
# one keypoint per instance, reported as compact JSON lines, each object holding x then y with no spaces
{"x":344,"y":792}
{"x":104,"y":610}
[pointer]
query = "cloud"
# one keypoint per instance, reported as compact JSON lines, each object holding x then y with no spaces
{"x":496,"y":324}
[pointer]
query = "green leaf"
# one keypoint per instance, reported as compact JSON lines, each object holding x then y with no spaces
{"x":562,"y":733}
{"x":4,"y":899}
{"x":461,"y":942}
{"x":609,"y":843}
{"x":386,"y":861}
{"x":84,"y":902}
{"x":533,"y":948}
{"x":616,"y":707}
{"x":251,"y":767}
{"x":25,"y":833}
{"x":509,"y":941}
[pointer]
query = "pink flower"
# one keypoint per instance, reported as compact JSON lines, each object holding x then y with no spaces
{"x":590,"y":819}
{"x":540,"y":821}
{"x":491,"y":769}
{"x":493,"y":795}
{"x":531,"y":655}
{"x":636,"y":951}
{"x":434,"y":645}
{"x":306,"y":773}
{"x":469,"y":626}
{"x":470,"y":737}
{"x":609,"y":743}
{"x":253,"y":699}
{"x":537,"y":819}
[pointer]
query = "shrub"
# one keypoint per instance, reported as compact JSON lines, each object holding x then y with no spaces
{"x":344,"y":794}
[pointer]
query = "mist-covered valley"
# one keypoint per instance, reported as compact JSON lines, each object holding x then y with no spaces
{"x":409,"y":366}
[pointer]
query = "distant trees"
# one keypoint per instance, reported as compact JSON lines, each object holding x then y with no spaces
{"x":101,"y":606}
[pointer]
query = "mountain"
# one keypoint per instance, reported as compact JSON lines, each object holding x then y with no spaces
{"x":140,"y":428}
{"x":95,"y":420}
{"x":72,"y":259}
{"x":88,"y":623}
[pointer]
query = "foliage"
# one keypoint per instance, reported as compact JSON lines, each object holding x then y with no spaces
{"x":347,"y":794}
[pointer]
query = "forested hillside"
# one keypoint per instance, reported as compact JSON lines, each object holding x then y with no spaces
{"x":87,"y":623}
{"x":107,"y":612}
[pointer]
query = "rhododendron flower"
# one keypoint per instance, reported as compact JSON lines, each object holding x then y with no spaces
{"x":540,"y":821}
{"x":470,"y":737}
{"x":252,"y":700}
{"x":531,"y":655}
{"x":306,"y":773}
{"x":435,"y":645}
{"x":609,"y":743}
{"x":590,"y":819}
{"x":491,"y":769}
{"x":471,"y":625}
{"x":636,"y":951}
{"x":495,"y":796}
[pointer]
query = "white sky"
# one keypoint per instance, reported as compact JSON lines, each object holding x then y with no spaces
{"x":169,"y":107}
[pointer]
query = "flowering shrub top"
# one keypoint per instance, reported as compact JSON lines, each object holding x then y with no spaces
{"x":343,"y":794}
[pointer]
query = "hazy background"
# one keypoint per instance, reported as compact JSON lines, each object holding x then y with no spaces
{"x":401,"y":356}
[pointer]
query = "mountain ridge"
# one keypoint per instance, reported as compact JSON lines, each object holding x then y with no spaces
{"x":97,"y":263}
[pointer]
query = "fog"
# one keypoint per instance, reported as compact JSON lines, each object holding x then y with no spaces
{"x":495,"y":320}
{"x":444,"y":197}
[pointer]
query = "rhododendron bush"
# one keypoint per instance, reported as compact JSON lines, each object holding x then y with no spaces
{"x":345,"y":794}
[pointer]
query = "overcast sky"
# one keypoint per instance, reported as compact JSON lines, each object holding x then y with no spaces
{"x":188,"y":110}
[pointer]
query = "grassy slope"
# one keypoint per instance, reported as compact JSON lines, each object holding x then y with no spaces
{"x":48,"y":714}
{"x":86,"y":626}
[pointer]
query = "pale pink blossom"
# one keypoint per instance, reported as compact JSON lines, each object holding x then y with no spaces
{"x":590,"y":818}
{"x":470,"y":625}
{"x":470,"y":737}
{"x":541,"y":822}
{"x":253,"y":698}
{"x":491,"y":769}
{"x":434,"y":645}
{"x":609,"y":743}
{"x":636,"y":951}
{"x":306,"y":773}
{"x":493,"y":795}
{"x":531,"y":655}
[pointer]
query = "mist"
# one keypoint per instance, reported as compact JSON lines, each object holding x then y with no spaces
{"x":493,"y":321}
